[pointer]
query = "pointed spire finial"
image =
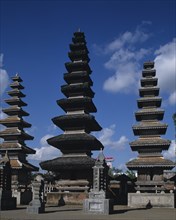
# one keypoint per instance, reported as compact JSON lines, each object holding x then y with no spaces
{"x":17,"y":74}
{"x":6,"y":155}
{"x":79,"y":29}
{"x":101,"y":156}
{"x":5,"y":158}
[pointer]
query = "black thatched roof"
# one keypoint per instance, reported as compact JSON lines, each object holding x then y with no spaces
{"x":78,"y":77}
{"x":83,"y":89}
{"x":80,"y":103}
{"x":68,"y":163}
{"x":77,"y":121}
{"x":76,"y":141}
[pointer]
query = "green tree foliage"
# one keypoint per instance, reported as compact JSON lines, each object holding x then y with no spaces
{"x":130,"y":174}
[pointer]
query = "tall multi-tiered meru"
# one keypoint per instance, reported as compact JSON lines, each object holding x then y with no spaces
{"x":14,"y":136}
{"x":74,"y":167}
{"x":150,"y":163}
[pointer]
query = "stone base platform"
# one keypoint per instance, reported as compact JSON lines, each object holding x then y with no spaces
{"x":98,"y":206}
{"x":35,"y":210}
{"x":66,"y":198}
{"x":35,"y":207}
{"x":149,"y":200}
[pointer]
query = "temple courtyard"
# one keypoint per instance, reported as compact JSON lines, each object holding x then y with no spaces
{"x":76,"y":212}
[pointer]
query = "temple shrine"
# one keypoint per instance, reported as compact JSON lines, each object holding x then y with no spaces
{"x":150,"y":162}
{"x":74,"y":167}
{"x":14,"y":136}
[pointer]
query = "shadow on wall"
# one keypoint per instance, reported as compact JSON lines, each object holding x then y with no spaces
{"x":149,"y":205}
{"x":61,"y":201}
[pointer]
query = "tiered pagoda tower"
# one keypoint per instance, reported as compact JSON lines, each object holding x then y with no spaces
{"x":150,"y":163}
{"x":14,"y":136}
{"x":76,"y":143}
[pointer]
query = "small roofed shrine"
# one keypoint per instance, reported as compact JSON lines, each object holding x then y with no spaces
{"x":150,"y":162}
{"x":14,"y":136}
{"x":74,"y":167}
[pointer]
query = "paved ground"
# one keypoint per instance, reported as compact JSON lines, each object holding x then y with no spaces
{"x":76,"y":213}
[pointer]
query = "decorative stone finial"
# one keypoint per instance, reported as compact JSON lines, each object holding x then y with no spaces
{"x":6,"y":157}
{"x":101,"y":156}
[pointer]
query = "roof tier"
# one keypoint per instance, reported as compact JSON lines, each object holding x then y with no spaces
{"x":77,"y":142}
{"x":15,"y":110}
{"x":15,"y":101}
{"x":149,"y":73}
{"x":149,"y":114}
{"x":77,"y":122}
{"x":148,"y":91}
{"x":79,"y":37}
{"x":16,"y":85}
{"x":77,"y":66}
{"x":75,"y":104}
{"x":149,"y":82}
{"x":14,"y":121}
{"x":79,"y":46}
{"x":149,"y":102}
{"x":14,"y":133}
{"x":150,"y":143}
{"x":150,"y":128}
{"x":82,"y":89}
{"x":146,"y":162}
{"x":17,"y":164}
{"x":68,"y":163}
{"x":78,"y":77}
{"x":17,"y":78}
{"x":16,"y":92}
{"x":81,"y":55}
{"x":16,"y":146}
{"x":148,"y":65}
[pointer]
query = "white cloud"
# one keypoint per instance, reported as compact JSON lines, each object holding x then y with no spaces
{"x":2,"y":127}
{"x":45,"y":152}
{"x":172,"y":98}
{"x":126,"y":62}
{"x":124,"y":79}
{"x":165,"y":66}
{"x":106,"y":138}
{"x":52,"y":128}
{"x":122,"y":167}
{"x":31,"y":130}
{"x":1,"y":59}
{"x":4,"y":78}
{"x":127,"y":70}
{"x":129,"y":38}
{"x":2,"y":114}
{"x":171,"y":153}
{"x":125,"y":59}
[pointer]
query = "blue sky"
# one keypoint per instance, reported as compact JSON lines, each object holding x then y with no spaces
{"x":121,"y":35}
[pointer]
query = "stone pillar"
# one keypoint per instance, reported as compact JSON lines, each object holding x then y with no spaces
{"x":37,"y":205}
{"x":97,"y":203}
